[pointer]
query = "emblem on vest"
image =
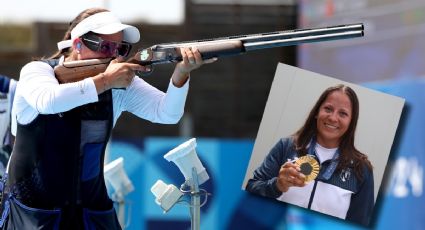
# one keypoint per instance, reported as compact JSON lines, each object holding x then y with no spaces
{"x":345,"y":175}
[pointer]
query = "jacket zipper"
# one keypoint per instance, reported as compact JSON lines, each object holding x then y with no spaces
{"x":312,"y":194}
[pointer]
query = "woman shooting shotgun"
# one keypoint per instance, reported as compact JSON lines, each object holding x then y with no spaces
{"x":55,"y":175}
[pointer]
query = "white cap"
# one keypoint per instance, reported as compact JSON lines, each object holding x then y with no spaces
{"x":102,"y":23}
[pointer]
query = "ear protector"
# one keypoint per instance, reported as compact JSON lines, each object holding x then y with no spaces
{"x":78,"y":46}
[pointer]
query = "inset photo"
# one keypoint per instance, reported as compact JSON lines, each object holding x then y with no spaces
{"x":323,"y":144}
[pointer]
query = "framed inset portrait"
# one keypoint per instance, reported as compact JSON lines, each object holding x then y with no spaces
{"x":323,"y":144}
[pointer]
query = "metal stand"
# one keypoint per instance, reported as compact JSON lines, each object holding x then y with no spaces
{"x":119,"y":199}
{"x":195,"y":201}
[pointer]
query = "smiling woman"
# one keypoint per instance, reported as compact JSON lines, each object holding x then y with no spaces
{"x":333,"y":119}
{"x":344,"y":184}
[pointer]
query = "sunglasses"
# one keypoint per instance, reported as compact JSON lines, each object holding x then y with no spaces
{"x":97,"y":44}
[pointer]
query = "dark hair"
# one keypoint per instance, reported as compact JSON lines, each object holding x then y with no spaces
{"x":83,"y":15}
{"x":349,"y":155}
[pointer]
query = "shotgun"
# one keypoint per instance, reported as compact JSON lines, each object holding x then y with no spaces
{"x":216,"y":47}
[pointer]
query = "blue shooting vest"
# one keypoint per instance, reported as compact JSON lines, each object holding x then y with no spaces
{"x":55,"y":178}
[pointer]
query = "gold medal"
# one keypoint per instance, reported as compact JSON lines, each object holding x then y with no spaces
{"x":309,"y":167}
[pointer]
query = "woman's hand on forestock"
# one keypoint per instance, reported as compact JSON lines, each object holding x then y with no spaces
{"x":191,"y":60}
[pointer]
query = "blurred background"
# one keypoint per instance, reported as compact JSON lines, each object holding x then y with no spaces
{"x":227,"y":99}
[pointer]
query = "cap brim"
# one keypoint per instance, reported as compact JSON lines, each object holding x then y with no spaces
{"x":130,"y":33}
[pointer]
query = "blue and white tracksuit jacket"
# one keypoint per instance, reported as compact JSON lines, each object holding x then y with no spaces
{"x":334,"y":192}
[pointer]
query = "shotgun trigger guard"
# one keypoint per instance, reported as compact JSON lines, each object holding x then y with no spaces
{"x":145,"y":73}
